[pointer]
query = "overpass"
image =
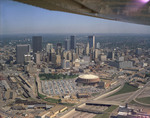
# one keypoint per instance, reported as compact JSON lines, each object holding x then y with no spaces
{"x":103,"y":103}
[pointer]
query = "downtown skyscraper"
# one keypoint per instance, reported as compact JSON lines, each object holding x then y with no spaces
{"x":72,"y":42}
{"x":21,"y":50}
{"x":37,"y":43}
{"x":67,"y":44}
{"x":91,"y":41}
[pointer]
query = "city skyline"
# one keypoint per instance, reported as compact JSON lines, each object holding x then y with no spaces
{"x":53,"y":78}
{"x":62,"y":65}
{"x":18,"y":18}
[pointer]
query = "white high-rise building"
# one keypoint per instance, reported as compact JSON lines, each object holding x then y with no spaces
{"x":98,"y":45}
{"x":87,"y":49}
{"x":49,"y":46}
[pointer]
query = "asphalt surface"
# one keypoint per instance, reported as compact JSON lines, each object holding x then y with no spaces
{"x":136,"y":93}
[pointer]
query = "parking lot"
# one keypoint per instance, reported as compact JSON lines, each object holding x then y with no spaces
{"x":63,"y":87}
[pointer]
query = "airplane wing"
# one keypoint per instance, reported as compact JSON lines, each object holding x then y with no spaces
{"x":133,"y":11}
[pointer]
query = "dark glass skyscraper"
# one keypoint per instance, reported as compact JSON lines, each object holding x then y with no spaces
{"x":59,"y":45}
{"x":21,"y":50}
{"x":72,"y":42}
{"x":37,"y":43}
{"x":92,"y":41}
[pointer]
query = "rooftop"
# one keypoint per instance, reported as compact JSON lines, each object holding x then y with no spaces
{"x":88,"y":76}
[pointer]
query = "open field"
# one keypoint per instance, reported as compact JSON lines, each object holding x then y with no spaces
{"x":145,"y":100}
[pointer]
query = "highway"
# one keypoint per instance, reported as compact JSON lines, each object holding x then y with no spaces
{"x":102,"y":95}
{"x":119,"y":97}
{"x":137,"y":93}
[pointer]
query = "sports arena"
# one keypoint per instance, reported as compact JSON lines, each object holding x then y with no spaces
{"x":88,"y":79}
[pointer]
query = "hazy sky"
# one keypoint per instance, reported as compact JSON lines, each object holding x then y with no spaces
{"x":21,"y":18}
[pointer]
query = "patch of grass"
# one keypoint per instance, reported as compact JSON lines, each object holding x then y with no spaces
{"x":133,"y":102}
{"x":51,"y":100}
{"x":56,"y":76}
{"x":41,"y":96}
{"x":145,"y":100}
{"x":107,"y":112}
{"x":95,"y":94}
{"x":106,"y":115}
{"x":126,"y":89}
{"x":111,"y":108}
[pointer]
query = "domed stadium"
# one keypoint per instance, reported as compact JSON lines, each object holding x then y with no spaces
{"x":88,"y":79}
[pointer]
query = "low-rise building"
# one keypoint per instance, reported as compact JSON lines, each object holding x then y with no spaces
{"x":52,"y":112}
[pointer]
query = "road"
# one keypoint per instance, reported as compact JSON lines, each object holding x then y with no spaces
{"x":119,"y":97}
{"x":5,"y":113}
{"x":137,"y":93}
{"x":105,"y":93}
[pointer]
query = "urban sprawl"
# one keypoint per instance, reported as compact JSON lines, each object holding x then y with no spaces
{"x":73,"y":79}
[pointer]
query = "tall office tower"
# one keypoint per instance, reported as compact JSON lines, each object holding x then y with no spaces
{"x":58,"y":60}
{"x":37,"y":43}
{"x":72,"y":42}
{"x":49,"y":46}
{"x":92,"y":41}
{"x":98,"y":45}
{"x":37,"y":58}
{"x":74,"y":56}
{"x":77,"y":50}
{"x":52,"y":57}
{"x":96,"y":54}
{"x":111,"y":55}
{"x":87,"y":49}
{"x":59,"y":45}
{"x":59,"y":49}
{"x":21,"y":50}
{"x":67,"y":45}
{"x":69,"y":56}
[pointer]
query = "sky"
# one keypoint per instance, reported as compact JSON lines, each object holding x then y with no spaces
{"x":19,"y":18}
